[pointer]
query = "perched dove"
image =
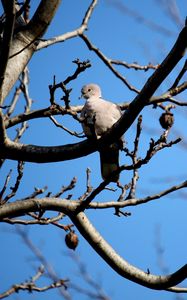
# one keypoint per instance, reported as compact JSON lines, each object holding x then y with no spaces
{"x":99,"y":115}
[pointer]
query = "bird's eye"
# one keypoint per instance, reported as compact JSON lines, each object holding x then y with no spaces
{"x":89,"y":90}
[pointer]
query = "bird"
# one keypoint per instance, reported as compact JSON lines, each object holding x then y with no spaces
{"x":98,"y":116}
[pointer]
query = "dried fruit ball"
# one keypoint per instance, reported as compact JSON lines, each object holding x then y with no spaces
{"x":166,"y":120}
{"x":71,"y":240}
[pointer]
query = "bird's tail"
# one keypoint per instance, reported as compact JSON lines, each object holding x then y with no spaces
{"x":109,"y":160}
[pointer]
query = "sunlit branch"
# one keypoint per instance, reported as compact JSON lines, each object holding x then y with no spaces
{"x":40,"y":221}
{"x":72,"y":34}
{"x":3,"y":136}
{"x":14,"y":189}
{"x":48,"y":154}
{"x":74,"y":133}
{"x":7,"y":39}
{"x":168,"y":96}
{"x":181,"y":74}
{"x":42,"y":113}
{"x":107,"y":63}
{"x":120,"y":265}
{"x":134,"y":65}
{"x":136,"y":201}
{"x":22,"y":207}
{"x":134,"y":158}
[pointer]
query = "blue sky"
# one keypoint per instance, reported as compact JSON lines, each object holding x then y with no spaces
{"x":144,"y":33}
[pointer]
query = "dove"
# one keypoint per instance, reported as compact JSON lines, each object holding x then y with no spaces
{"x":98,"y":116}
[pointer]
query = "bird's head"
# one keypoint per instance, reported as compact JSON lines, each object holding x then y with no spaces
{"x":90,"y":90}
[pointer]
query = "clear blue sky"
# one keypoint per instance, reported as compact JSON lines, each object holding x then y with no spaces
{"x":143,"y":33}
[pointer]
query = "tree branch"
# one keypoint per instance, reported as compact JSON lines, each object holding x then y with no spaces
{"x":107,"y":63}
{"x":31,"y":286}
{"x":136,"y":201}
{"x":121,"y":266}
{"x":42,"y":18}
{"x":72,"y":34}
{"x":23,"y":47}
{"x":7,"y":38}
{"x":48,"y":154}
{"x":93,"y":237}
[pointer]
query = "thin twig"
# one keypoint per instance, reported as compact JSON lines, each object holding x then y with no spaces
{"x":66,"y":188}
{"x":74,"y":133}
{"x":50,"y":272}
{"x":88,"y":187}
{"x":181,"y":74}
{"x":31,"y":286}
{"x":134,"y":65}
{"x":107,"y":62}
{"x":72,"y":34}
{"x":81,"y":67}
{"x":132,"y":192}
{"x":136,"y":201}
{"x":5,"y":185}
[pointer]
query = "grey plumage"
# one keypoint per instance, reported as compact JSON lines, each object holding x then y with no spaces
{"x":99,"y":116}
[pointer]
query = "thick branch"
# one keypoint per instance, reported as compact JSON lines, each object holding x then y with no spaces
{"x":42,"y":113}
{"x":23,"y":46}
{"x":47,"y":154}
{"x":121,"y":266}
{"x":71,"y":34}
{"x":42,"y":154}
{"x":22,"y":207}
{"x":87,"y":230}
{"x":7,"y":38}
{"x":42,"y":18}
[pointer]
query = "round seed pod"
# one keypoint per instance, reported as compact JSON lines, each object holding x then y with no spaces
{"x":71,"y":240}
{"x":166,"y":120}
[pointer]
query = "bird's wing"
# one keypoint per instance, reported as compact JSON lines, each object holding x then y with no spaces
{"x":100,"y":112}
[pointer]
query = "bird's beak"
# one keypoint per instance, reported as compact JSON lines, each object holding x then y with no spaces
{"x":81,"y":96}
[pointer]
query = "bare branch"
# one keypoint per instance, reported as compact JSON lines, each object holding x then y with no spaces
{"x":50,"y":272}
{"x":23,"y":43}
{"x":134,"y":202}
{"x":43,"y":113}
{"x":134,"y":158}
{"x":121,"y":266}
{"x":31,"y":286}
{"x":7,"y":38}
{"x":72,"y":34}
{"x":74,"y":133}
{"x":40,"y":221}
{"x":5,"y":185}
{"x":20,"y":131}
{"x":45,"y":154}
{"x":69,"y":187}
{"x":107,"y":62}
{"x":88,"y":187}
{"x":3,"y":136}
{"x":98,"y":292}
{"x":17,"y":183}
{"x":81,"y":67}
{"x":24,"y":10}
{"x":80,"y":220}
{"x":22,"y":207}
{"x":42,"y":17}
{"x":181,"y":74}
{"x":134,"y":65}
